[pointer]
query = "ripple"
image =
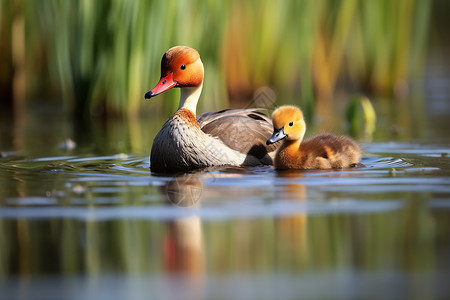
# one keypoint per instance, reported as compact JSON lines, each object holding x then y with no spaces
{"x":31,"y":201}
{"x":124,"y":179}
{"x":158,"y":212}
{"x":324,"y":283}
{"x":405,"y":148}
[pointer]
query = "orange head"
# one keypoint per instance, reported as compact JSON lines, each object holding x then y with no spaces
{"x":181,"y":66}
{"x":288,"y":123}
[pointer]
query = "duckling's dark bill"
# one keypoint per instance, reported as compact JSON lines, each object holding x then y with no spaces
{"x":278,"y":135}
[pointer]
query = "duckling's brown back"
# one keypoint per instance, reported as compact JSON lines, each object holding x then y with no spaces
{"x":330,"y":151}
{"x":323,"y":151}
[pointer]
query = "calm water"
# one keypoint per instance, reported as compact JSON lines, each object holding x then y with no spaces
{"x":79,"y":227}
{"x":93,"y":223}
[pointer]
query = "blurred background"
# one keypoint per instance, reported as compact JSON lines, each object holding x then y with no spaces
{"x":81,"y":217}
{"x":95,"y":60}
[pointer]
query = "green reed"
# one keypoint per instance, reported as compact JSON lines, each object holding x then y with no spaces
{"x":102,"y":56}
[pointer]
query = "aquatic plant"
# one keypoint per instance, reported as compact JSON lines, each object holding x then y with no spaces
{"x":102,"y":56}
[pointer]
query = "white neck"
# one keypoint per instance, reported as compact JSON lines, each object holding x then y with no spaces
{"x":189,"y":97}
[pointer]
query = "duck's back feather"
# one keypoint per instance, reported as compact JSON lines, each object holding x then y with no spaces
{"x":230,"y":138}
{"x":243,"y":130}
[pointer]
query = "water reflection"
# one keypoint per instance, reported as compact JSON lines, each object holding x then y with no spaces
{"x":184,"y":190}
{"x":292,"y":229}
{"x":225,"y":234}
{"x":184,"y":252}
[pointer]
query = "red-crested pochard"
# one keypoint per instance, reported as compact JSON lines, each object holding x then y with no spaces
{"x":225,"y":138}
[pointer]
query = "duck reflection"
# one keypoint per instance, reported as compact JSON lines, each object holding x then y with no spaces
{"x":184,"y":190}
{"x":292,"y":230}
{"x":184,"y":253}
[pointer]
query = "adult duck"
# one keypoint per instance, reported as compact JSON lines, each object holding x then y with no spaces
{"x":224,"y":138}
{"x":323,"y":151}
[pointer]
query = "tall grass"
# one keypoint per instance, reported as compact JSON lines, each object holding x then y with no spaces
{"x":104,"y":55}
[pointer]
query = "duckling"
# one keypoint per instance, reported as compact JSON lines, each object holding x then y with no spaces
{"x":323,"y":151}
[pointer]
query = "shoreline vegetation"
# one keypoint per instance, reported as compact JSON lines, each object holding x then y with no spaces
{"x":100,"y":57}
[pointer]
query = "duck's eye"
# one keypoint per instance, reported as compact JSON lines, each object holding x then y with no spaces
{"x":183,"y":66}
{"x":291,"y":124}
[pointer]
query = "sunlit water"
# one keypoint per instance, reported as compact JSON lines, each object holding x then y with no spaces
{"x":92,"y":227}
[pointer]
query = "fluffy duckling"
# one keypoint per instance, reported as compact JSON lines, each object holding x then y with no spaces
{"x":323,"y":151}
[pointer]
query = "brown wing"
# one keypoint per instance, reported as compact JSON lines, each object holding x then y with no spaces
{"x":338,"y":151}
{"x":244,"y":130}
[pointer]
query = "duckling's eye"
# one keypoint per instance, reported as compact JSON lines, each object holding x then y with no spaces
{"x":291,"y":124}
{"x":183,"y":66}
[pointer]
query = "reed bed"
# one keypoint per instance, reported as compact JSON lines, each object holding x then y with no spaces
{"x":102,"y":56}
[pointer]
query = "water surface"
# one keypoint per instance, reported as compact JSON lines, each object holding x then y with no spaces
{"x":103,"y":227}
